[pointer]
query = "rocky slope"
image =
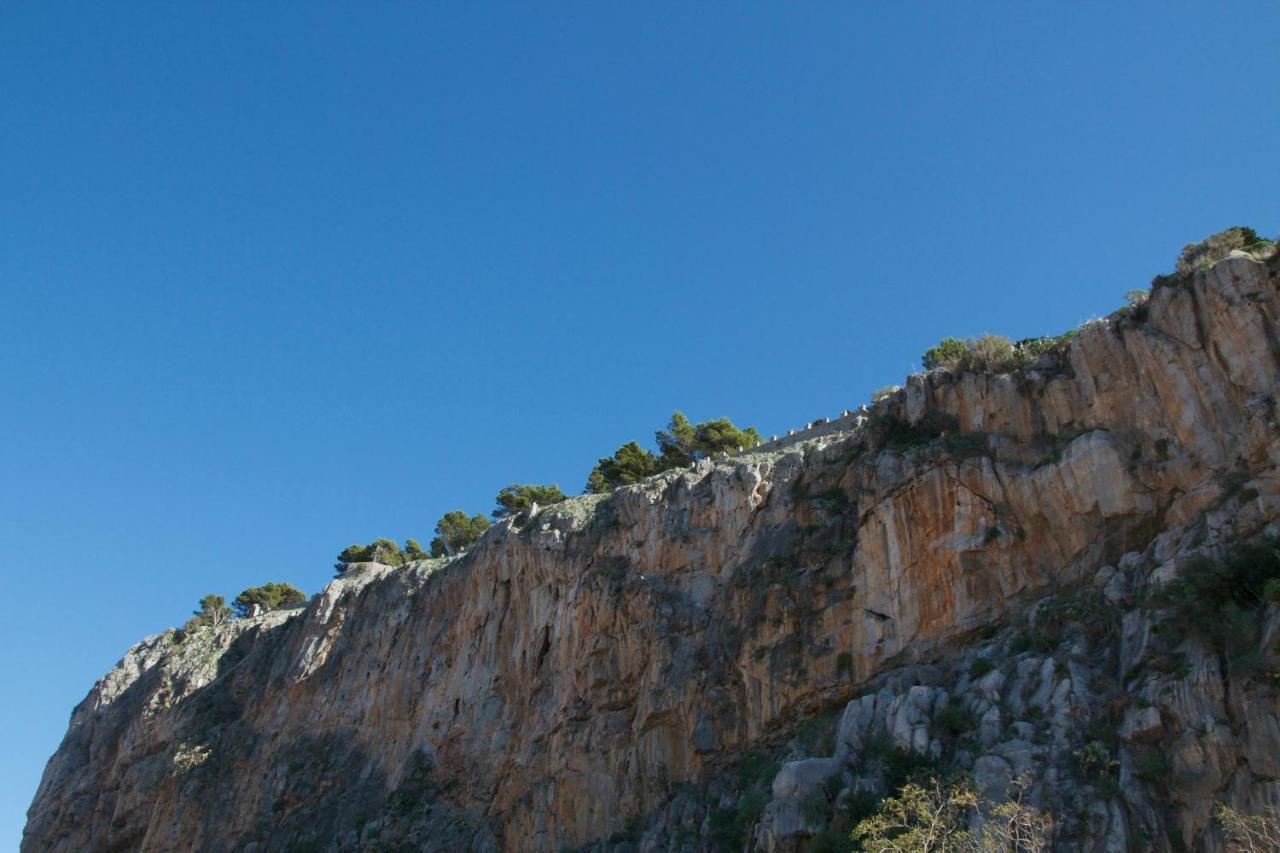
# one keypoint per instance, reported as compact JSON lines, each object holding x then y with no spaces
{"x":715,"y":657}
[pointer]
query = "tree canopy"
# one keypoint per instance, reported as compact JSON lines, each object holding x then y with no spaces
{"x":213,"y":611}
{"x":413,"y":550}
{"x":628,"y":464}
{"x":516,"y":498}
{"x":681,"y":443}
{"x":382,"y":551}
{"x":270,"y":596}
{"x":456,"y":531}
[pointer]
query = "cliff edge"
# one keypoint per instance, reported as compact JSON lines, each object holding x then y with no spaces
{"x":594,"y":675}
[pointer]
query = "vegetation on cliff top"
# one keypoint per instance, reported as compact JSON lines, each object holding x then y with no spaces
{"x":989,"y":353}
{"x":517,"y":498}
{"x":214,"y":611}
{"x":270,"y":596}
{"x":680,"y":444}
{"x":683,"y":442}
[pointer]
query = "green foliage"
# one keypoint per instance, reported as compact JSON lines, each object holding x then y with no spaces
{"x":456,"y":531}
{"x":933,"y":817}
{"x":966,"y":445}
{"x":727,"y":832}
{"x":682,"y":442}
{"x":1095,"y":759}
{"x":1250,"y":833}
{"x":815,"y":807}
{"x":920,"y":817}
{"x":271,"y":596}
{"x":1221,"y":601}
{"x":986,"y":353}
{"x":630,"y":832}
{"x":386,"y":552}
{"x":350,"y":554}
{"x":979,"y":668}
{"x":897,"y":766}
{"x":1206,"y":253}
{"x":516,"y":498}
{"x":751,"y":807}
{"x":1154,"y":767}
{"x":948,"y":353}
{"x":756,"y":768}
{"x":382,"y":551}
{"x":679,"y":444}
{"x":894,"y":433}
{"x":213,"y":611}
{"x":721,"y":436}
{"x":817,"y":735}
{"x":844,"y":663}
{"x":831,"y":840}
{"x":990,"y":353}
{"x":630,"y":463}
{"x":887,"y":391}
{"x":955,"y":719}
{"x":413,"y":550}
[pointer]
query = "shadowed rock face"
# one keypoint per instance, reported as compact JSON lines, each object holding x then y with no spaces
{"x":572,"y":669}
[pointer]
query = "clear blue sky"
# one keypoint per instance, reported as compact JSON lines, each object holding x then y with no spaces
{"x":279,"y":279}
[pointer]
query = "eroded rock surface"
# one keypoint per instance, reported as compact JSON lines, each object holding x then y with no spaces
{"x":571,"y":677}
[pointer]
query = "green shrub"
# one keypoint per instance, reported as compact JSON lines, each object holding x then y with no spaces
{"x":1054,"y":345}
{"x":414,"y":551}
{"x":1154,"y":767}
{"x":751,"y":807}
{"x":678,"y":445}
{"x":213,"y":611}
{"x":682,"y":441}
{"x":456,"y":532}
{"x":831,"y":840}
{"x":727,"y":831}
{"x":350,"y":554}
{"x":954,"y":718}
{"x":844,"y":663}
{"x":922,"y":817}
{"x":1206,"y":253}
{"x":948,"y":353}
{"x":382,"y":551}
{"x":517,"y":498}
{"x":817,"y":735}
{"x":271,"y":596}
{"x":979,"y":668}
{"x":815,"y":807}
{"x":756,"y":768}
{"x":966,"y":445}
{"x":898,"y":766}
{"x":990,"y":353}
{"x":1220,"y":601}
{"x":986,"y":353}
{"x":1245,"y":832}
{"x":887,"y":391}
{"x":894,"y":433}
{"x":630,"y":463}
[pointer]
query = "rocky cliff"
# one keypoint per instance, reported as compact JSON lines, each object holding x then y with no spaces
{"x":629,"y":671}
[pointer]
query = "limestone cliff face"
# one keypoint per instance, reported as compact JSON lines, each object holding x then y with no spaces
{"x":573,"y":669}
